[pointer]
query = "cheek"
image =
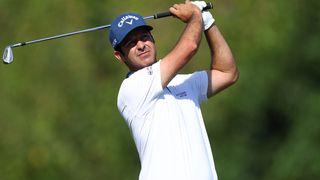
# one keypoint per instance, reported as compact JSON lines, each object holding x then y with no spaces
{"x":153,"y":47}
{"x":130,"y":56}
{"x":126,"y":52}
{"x":131,"y":53}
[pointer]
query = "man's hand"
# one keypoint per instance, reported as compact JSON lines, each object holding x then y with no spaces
{"x":185,"y":12}
{"x":207,"y":18}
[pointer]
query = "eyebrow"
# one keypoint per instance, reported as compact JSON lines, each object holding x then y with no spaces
{"x":128,"y":40}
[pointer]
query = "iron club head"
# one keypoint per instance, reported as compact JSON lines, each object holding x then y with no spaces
{"x":7,"y":55}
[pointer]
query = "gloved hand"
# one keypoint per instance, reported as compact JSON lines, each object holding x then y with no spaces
{"x":207,"y":18}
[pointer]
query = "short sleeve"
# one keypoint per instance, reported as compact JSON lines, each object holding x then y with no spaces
{"x":199,"y":82}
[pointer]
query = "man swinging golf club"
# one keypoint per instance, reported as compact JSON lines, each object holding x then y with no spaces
{"x":161,"y":107}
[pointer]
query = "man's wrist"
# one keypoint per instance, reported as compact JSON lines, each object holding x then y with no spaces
{"x":213,"y":24}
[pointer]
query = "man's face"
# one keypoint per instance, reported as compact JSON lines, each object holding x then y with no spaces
{"x":137,"y":49}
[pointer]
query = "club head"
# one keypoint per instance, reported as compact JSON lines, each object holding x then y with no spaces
{"x":7,"y":55}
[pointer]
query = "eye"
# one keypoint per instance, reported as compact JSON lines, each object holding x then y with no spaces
{"x":145,"y":37}
{"x":130,"y":44}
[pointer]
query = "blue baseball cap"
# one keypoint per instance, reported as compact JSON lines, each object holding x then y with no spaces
{"x":123,"y":25}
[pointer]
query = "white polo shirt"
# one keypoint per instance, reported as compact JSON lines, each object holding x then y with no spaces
{"x":167,"y":125}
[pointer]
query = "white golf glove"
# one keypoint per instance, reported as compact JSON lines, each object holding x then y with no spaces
{"x":207,"y":18}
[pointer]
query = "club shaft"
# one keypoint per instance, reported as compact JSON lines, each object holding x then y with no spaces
{"x":155,"y":16}
{"x":61,"y":35}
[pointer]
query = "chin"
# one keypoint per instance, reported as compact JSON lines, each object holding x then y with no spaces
{"x":150,"y":62}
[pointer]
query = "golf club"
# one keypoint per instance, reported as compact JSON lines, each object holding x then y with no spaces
{"x":8,"y":55}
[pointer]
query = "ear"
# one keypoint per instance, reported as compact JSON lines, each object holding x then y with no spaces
{"x":118,"y":55}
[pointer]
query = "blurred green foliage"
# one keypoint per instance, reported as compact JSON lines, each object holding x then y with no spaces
{"x":58,"y":115}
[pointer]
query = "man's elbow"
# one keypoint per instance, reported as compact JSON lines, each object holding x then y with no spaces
{"x":192,"y":48}
{"x":234,"y":76}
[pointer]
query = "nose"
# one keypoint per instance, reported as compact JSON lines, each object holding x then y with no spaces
{"x":140,"y":45}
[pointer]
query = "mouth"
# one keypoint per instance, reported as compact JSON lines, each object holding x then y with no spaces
{"x":144,"y":53}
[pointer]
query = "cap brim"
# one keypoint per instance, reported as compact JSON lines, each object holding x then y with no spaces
{"x":144,"y":26}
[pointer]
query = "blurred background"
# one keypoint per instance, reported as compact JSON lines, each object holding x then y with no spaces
{"x":58,"y":115}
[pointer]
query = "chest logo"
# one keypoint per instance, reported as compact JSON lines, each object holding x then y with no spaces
{"x":149,"y":69}
{"x":181,"y":94}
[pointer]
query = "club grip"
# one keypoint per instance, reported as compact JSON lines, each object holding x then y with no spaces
{"x":161,"y":15}
{"x":168,"y":13}
{"x":208,"y":6}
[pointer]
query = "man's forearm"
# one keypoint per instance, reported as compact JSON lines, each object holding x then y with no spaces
{"x":187,"y":44}
{"x":221,"y":55}
{"x":223,"y":70}
{"x":190,"y":37}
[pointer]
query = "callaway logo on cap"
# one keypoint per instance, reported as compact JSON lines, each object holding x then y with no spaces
{"x":127,"y":19}
{"x":123,"y":25}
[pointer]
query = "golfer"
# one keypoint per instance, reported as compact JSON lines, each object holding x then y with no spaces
{"x":161,"y":107}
